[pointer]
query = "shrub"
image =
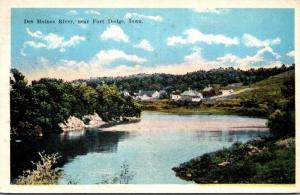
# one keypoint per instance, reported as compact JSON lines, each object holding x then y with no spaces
{"x":45,"y":173}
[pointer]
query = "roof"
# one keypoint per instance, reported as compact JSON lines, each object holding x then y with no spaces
{"x":207,"y":89}
{"x":176,"y":93}
{"x":191,"y":93}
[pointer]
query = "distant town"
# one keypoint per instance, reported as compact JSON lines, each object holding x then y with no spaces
{"x":211,"y":92}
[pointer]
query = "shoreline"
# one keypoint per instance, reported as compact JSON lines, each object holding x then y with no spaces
{"x":187,"y":111}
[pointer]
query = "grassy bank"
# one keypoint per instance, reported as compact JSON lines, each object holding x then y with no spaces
{"x":230,"y":106}
{"x":258,"y":101}
{"x":258,"y":161}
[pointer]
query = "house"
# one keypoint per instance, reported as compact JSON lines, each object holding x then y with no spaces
{"x":226,"y":92}
{"x":191,"y":96}
{"x":175,"y":95}
{"x":147,"y":95}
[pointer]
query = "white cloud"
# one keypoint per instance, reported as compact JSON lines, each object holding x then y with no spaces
{"x":291,"y":53}
{"x":229,"y":58}
{"x":92,"y":12}
{"x":72,"y":13}
{"x":256,"y":59}
{"x":50,"y":41}
{"x":209,"y":10}
{"x":193,"y":35}
{"x":97,"y":66}
{"x":136,"y":15}
{"x":145,"y":45}
{"x":252,"y":41}
{"x":115,"y":33}
{"x":35,"y":44}
{"x":196,"y":56}
{"x":106,"y":57}
{"x":194,"y":61}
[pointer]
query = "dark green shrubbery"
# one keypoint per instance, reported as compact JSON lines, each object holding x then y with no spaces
{"x":282,"y":120}
{"x":39,"y":108}
{"x":269,"y":163}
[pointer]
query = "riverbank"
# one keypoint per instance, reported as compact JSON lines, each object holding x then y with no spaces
{"x":265,"y":160}
{"x":228,"y":107}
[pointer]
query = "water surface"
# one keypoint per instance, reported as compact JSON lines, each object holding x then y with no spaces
{"x":149,"y":148}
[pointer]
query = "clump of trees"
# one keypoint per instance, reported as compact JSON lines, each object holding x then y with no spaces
{"x":38,"y":108}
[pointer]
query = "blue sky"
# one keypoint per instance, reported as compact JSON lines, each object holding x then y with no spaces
{"x":167,"y":41}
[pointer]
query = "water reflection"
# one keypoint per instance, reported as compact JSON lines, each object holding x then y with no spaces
{"x":229,"y":136}
{"x":68,"y":145}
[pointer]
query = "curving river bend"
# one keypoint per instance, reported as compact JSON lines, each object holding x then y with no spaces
{"x":149,"y":149}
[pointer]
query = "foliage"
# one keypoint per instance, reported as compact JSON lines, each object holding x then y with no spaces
{"x":268,"y":163}
{"x":195,"y":80}
{"x":44,"y":173}
{"x":282,"y":120}
{"x":38,"y":108}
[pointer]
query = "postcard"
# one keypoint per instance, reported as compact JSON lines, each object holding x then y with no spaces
{"x":149,"y":96}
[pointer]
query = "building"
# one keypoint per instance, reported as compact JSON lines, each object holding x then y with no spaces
{"x":191,"y":96}
{"x":147,"y":95}
{"x":175,"y":95}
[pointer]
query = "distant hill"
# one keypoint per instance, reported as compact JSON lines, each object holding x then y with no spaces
{"x":194,"y":80}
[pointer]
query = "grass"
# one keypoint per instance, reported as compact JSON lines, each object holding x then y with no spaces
{"x":252,"y":102}
{"x":258,"y":161}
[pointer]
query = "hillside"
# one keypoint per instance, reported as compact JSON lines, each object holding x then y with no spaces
{"x":265,"y":160}
{"x":257,"y":99}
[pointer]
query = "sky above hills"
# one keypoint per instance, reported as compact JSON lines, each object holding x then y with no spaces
{"x":173,"y":41}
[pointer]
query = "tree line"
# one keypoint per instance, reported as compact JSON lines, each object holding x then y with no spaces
{"x":38,"y":108}
{"x":196,"y":80}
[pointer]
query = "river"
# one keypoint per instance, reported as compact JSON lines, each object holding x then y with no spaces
{"x":145,"y":151}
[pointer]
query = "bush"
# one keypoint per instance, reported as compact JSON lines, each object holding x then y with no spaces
{"x":282,"y":123}
{"x":45,"y":173}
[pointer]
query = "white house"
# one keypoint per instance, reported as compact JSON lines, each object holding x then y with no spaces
{"x":175,"y":96}
{"x":147,"y":95}
{"x":192,"y":96}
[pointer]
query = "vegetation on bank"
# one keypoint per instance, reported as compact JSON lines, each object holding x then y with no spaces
{"x":44,"y":172}
{"x":267,"y":160}
{"x":258,"y":161}
{"x":38,"y":108}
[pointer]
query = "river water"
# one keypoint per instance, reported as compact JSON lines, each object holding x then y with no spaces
{"x":138,"y":153}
